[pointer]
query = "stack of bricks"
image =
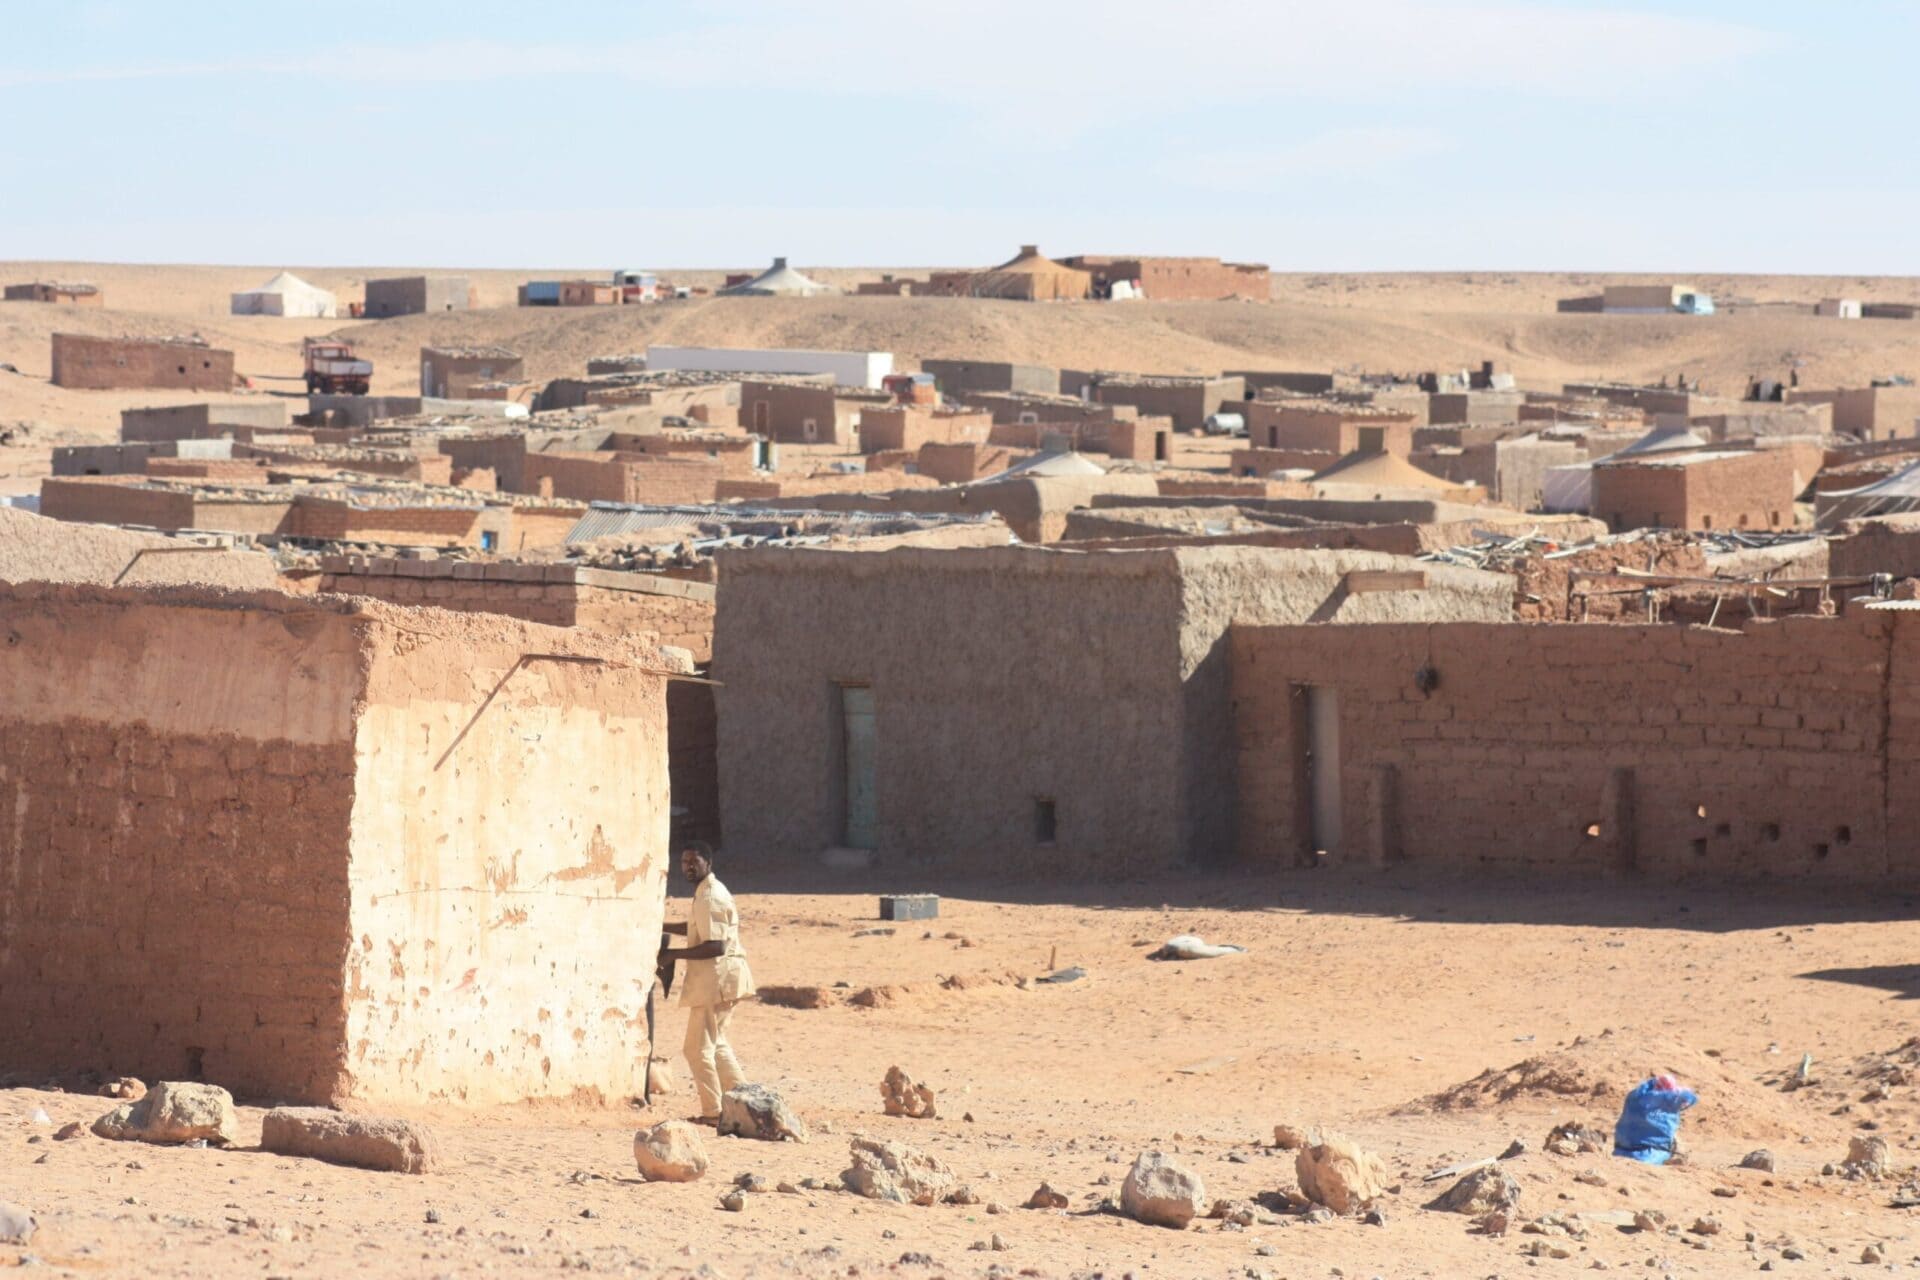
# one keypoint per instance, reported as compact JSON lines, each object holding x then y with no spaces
{"x":1790,"y":749}
{"x":561,"y":595}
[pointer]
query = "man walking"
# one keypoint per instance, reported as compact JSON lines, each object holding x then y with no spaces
{"x":717,"y":978}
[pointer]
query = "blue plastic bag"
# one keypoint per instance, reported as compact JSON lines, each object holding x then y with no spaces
{"x":1649,"y":1124}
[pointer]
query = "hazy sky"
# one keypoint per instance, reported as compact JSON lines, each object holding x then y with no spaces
{"x":1330,"y":134}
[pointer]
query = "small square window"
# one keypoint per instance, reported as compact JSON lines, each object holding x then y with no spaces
{"x":1045,"y":820}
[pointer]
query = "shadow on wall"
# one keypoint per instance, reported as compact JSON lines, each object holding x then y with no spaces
{"x":1415,"y":894}
{"x":1902,"y":980}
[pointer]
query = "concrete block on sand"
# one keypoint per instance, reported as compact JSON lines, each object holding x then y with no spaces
{"x":1159,"y":1191}
{"x":174,"y":1112}
{"x":366,"y":1142}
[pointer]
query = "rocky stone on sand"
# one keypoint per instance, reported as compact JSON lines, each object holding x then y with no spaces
{"x":671,"y":1151}
{"x":1337,"y":1173}
{"x":1481,"y":1191}
{"x":902,"y":1097}
{"x":963,"y":1195}
{"x":1866,"y":1158}
{"x":366,"y":1142}
{"x":894,"y":1171}
{"x":173,"y":1112}
{"x":733,"y":1201}
{"x":1705,"y":1226}
{"x":16,"y":1224}
{"x":1159,"y":1191}
{"x":69,"y":1131}
{"x":125,"y":1088}
{"x":1576,"y":1138}
{"x":755,"y":1111}
{"x":1045,"y":1197}
{"x":1289,"y":1137}
{"x":1761,"y":1159}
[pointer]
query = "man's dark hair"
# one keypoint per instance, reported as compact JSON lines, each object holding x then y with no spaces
{"x":700,"y":847}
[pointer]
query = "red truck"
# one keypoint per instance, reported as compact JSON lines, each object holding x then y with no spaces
{"x":333,"y":369}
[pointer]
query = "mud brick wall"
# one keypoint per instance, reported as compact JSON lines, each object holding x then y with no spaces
{"x":561,"y":595}
{"x":178,"y":783}
{"x":107,"y":502}
{"x":105,"y":364}
{"x":320,"y":849}
{"x":1789,"y":750}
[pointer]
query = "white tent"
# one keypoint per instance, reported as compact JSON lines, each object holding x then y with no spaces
{"x":1891,"y":495}
{"x":285,"y":295}
{"x":779,"y":281}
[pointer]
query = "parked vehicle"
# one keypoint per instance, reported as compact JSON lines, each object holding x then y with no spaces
{"x":333,"y":369}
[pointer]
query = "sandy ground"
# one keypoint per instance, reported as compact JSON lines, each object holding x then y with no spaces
{"x":1368,"y":1002}
{"x":1379,"y":322}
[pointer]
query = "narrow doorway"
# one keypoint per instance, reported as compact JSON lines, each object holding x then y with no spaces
{"x":858,"y":751}
{"x":1317,"y":764}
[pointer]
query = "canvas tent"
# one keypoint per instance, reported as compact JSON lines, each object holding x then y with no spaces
{"x":778,"y":281}
{"x":285,"y":295}
{"x":1890,"y":495}
{"x":1032,"y":278}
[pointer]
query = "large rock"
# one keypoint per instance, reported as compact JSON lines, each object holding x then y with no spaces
{"x":671,"y":1151}
{"x":902,"y":1097}
{"x":366,"y":1142}
{"x":1336,"y":1173}
{"x":1481,"y":1191}
{"x":16,"y":1224}
{"x":755,"y":1111}
{"x":897,"y":1172}
{"x":174,"y":1112}
{"x":1161,"y":1192}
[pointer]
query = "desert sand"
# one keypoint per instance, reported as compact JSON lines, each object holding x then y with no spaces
{"x":1433,"y":1019}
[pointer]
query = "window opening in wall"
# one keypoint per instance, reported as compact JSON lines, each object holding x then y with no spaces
{"x":1706,"y":522}
{"x":489,"y":540}
{"x":1723,"y":828}
{"x":1821,"y":851}
{"x":1771,"y":831}
{"x":1700,"y":847}
{"x":1843,"y":835}
{"x":1045,"y":820}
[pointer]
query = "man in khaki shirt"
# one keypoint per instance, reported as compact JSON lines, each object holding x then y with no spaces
{"x":717,"y":978}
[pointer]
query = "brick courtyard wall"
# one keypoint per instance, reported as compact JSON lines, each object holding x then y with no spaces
{"x":1789,"y":750}
{"x":1751,"y":489}
{"x":103,"y":501}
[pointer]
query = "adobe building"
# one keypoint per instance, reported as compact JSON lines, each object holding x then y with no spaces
{"x":417,"y":295}
{"x":236,"y":419}
{"x":452,"y":373}
{"x":590,"y":293}
{"x":605,"y":475}
{"x":1177,"y":279}
{"x":74,"y":295}
{"x":1051,"y":409}
{"x":959,"y":378}
{"x":1512,"y":471}
{"x":961,"y":463}
{"x":806,"y":410}
{"x":1474,"y":408}
{"x":671,"y":393}
{"x":907,"y":427}
{"x":1697,"y":489}
{"x":1877,"y":412}
{"x":1086,"y":694}
{"x":1188,"y":401}
{"x":1785,"y":750}
{"x":90,"y":363}
{"x":1326,"y":426}
{"x":399,"y":859}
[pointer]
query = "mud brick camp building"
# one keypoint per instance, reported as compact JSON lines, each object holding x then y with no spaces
{"x":79,"y":295}
{"x":360,"y":857}
{"x":851,"y":684}
{"x":417,"y":295}
{"x":92,"y":363}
